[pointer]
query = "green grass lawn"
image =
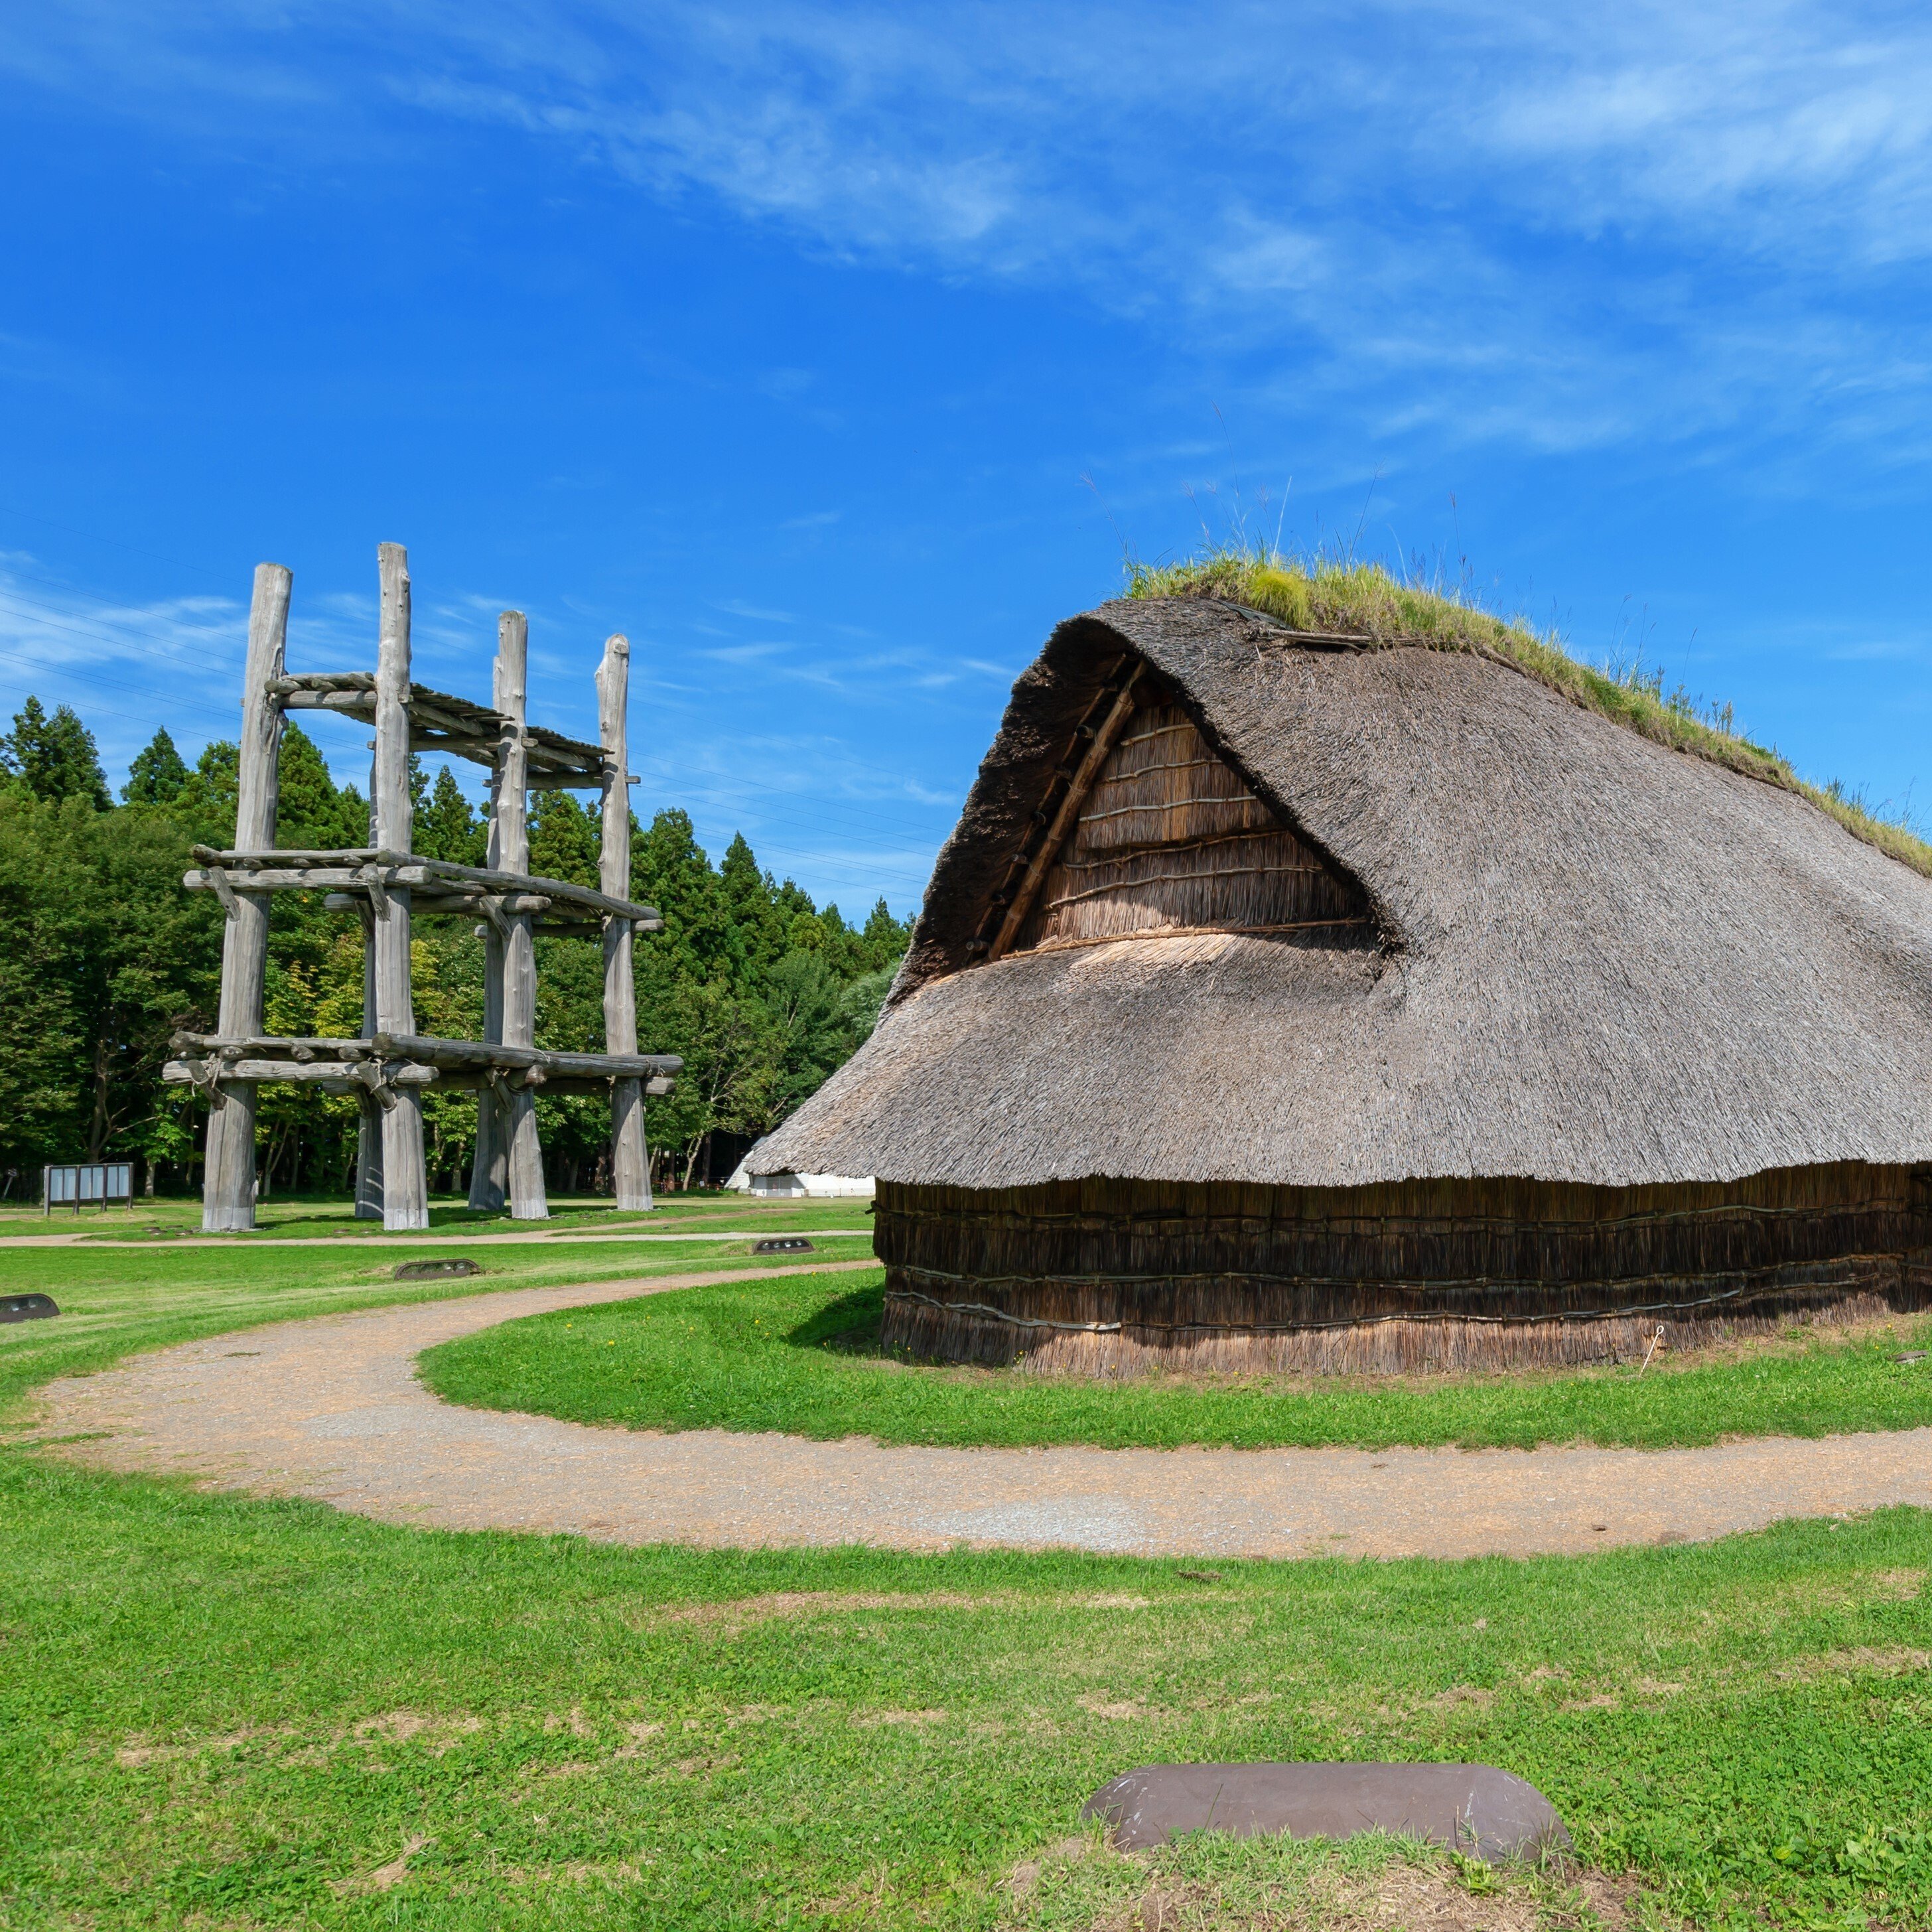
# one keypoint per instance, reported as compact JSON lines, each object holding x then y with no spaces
{"x":224,"y":1712}
{"x":116,"y":1300}
{"x":778,"y":1355}
{"x":332,"y":1217}
{"x":216,"y":1710}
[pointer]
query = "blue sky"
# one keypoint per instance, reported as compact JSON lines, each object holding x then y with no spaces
{"x":835,"y":353}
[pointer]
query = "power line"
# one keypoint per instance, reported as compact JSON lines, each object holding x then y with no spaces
{"x":127,"y":643}
{"x":112,"y":543}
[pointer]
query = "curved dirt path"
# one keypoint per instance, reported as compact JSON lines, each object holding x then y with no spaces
{"x":330,"y":1409}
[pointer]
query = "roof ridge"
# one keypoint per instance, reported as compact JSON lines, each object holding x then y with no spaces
{"x":1636,"y":709}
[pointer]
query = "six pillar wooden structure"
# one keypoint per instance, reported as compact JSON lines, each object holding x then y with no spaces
{"x":389,"y":1066}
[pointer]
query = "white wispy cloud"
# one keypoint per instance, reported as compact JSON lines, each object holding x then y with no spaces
{"x":1475,"y":218}
{"x":811,"y":804}
{"x":126,"y":668}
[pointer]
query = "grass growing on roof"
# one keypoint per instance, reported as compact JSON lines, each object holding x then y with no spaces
{"x":1365,"y":600}
{"x":787,"y":1354}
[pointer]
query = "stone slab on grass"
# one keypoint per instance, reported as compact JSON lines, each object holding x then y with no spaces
{"x":1472,"y":1807}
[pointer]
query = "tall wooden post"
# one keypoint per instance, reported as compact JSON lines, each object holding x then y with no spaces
{"x":490,"y":1167}
{"x":369,"y":1119}
{"x":630,"y":1159}
{"x":405,"y":1177}
{"x":228,"y":1183}
{"x":528,"y":1199}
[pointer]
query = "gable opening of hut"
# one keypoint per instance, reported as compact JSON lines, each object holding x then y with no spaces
{"x":1292,"y":1002}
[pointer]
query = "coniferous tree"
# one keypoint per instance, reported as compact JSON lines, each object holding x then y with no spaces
{"x":447,"y":826}
{"x":311,"y":809}
{"x":563,"y":839}
{"x":54,"y":758}
{"x":157,"y":774}
{"x":102,"y":956}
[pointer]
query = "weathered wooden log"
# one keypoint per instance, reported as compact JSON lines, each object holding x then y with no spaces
{"x":446,"y":723}
{"x":228,"y":1187}
{"x":368,"y":1119}
{"x":490,"y":1163}
{"x":405,"y":1175}
{"x":448,"y":1057}
{"x":290,"y":684}
{"x":272,"y":1045}
{"x":630,"y":1158}
{"x":292,"y":855}
{"x":300,"y":1073}
{"x":278,"y":872}
{"x":432,"y":1050}
{"x":480,"y":1084}
{"x":528,"y":1200}
{"x":424,"y":903}
{"x":354,"y":704}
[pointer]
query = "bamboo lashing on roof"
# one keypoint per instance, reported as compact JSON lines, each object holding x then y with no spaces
{"x":1169,"y":839}
{"x":1100,"y":737}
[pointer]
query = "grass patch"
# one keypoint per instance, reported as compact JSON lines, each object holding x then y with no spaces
{"x":799,"y":1355}
{"x":1210,"y":1882}
{"x":115,"y":1301}
{"x":216,"y":1710}
{"x":1365,"y":601}
{"x":330,"y":1216}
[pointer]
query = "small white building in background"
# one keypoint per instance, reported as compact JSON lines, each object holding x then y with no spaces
{"x":799,"y":1187}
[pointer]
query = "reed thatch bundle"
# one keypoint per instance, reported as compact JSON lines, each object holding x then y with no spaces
{"x":1108,"y":1276}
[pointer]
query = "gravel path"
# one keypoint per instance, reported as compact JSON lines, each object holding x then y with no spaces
{"x":331,"y":1409}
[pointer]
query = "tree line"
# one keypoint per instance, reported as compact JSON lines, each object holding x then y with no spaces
{"x":103,"y":956}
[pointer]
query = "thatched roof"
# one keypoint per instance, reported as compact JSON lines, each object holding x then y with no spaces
{"x":1600,"y":960}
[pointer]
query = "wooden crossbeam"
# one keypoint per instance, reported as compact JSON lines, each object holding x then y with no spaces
{"x":433,"y":1051}
{"x":441,"y":722}
{"x":1078,"y":785}
{"x":318,"y":871}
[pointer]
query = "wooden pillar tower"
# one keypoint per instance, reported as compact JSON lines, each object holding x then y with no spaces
{"x":630,"y":1159}
{"x":228,"y":1173}
{"x":389,"y":1065}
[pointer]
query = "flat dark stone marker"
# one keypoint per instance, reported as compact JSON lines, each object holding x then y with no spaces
{"x":1493,"y":1814}
{"x":26,"y":1307}
{"x":783,"y":1244}
{"x":433,"y":1271}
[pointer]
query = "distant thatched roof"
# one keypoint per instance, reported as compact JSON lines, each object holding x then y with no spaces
{"x":1600,"y":960}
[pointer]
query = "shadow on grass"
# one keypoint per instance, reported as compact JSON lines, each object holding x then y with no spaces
{"x":848,"y":1325}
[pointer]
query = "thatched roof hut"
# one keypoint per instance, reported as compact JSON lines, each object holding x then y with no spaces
{"x":1283,"y":999}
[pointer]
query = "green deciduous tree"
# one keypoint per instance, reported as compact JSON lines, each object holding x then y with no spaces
{"x":103,"y":956}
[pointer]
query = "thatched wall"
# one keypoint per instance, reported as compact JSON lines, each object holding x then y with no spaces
{"x":1110,"y":1277}
{"x":1171,"y":839}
